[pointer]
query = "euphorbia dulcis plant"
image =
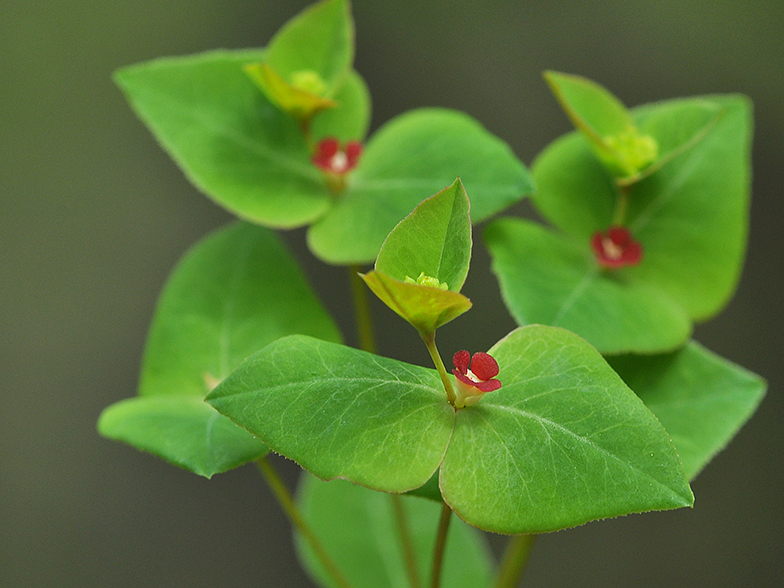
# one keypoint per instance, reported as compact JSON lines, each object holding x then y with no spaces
{"x":649,"y":212}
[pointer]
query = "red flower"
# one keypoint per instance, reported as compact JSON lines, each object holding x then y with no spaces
{"x":475,"y":381}
{"x":331,"y":158}
{"x":616,"y":248}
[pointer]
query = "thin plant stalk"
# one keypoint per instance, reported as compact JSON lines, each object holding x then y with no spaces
{"x":430,"y":343}
{"x":405,"y":538}
{"x":440,"y":547}
{"x":292,"y":512}
{"x":514,"y":561}
{"x":367,"y":340}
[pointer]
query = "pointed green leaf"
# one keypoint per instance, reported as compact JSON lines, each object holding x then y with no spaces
{"x":435,"y":240}
{"x":340,"y":412}
{"x":550,"y":279}
{"x":233,"y":293}
{"x":425,"y":307}
{"x":234,"y":145}
{"x":413,"y":155}
{"x":693,"y":215}
{"x":564,"y":441}
{"x":358,"y":529}
{"x":182,"y":430}
{"x":676,"y":130}
{"x":701,"y":399}
{"x":605,"y":123}
{"x":320,"y":39}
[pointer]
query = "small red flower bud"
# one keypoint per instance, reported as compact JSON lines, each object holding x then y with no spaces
{"x":333,"y":159}
{"x":475,"y":376}
{"x":615,"y":248}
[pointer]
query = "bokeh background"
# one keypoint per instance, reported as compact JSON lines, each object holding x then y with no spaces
{"x":93,"y":216}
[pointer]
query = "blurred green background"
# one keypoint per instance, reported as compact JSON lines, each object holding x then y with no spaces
{"x":93,"y":216}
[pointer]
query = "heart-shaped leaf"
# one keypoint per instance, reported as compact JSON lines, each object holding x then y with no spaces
{"x":547,"y":278}
{"x":230,"y":141}
{"x":564,"y":441}
{"x":233,"y":293}
{"x":415,"y":155}
{"x":358,"y":529}
{"x":700,"y":398}
{"x":340,"y":412}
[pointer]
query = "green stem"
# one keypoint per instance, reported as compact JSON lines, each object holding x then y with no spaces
{"x":622,"y":206}
{"x":290,"y":508}
{"x":438,"y":552}
{"x":514,"y":561}
{"x":405,"y":539}
{"x":367,"y":339}
{"x":430,"y":342}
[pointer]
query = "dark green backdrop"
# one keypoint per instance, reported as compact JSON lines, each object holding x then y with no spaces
{"x":93,"y":216}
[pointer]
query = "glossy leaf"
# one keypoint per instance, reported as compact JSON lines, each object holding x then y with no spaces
{"x":434,"y":240}
{"x":230,"y":141}
{"x":700,"y":398}
{"x":358,"y":529}
{"x":424,"y":307}
{"x":562,"y":442}
{"x":233,"y":293}
{"x":341,"y":412}
{"x":547,"y":278}
{"x":411,"y":157}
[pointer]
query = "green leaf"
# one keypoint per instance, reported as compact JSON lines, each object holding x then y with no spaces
{"x":691,"y":217}
{"x":564,"y":441}
{"x":435,"y":240}
{"x":341,"y":412}
{"x":605,"y":122}
{"x":676,"y":130}
{"x":414,"y":155}
{"x":232,"y":294}
{"x":230,"y":142}
{"x":547,"y":278}
{"x":358,"y":529}
{"x":182,"y":430}
{"x":424,"y":261}
{"x":700,"y":398}
{"x":319,"y":39}
{"x":425,"y":307}
{"x":350,"y":119}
